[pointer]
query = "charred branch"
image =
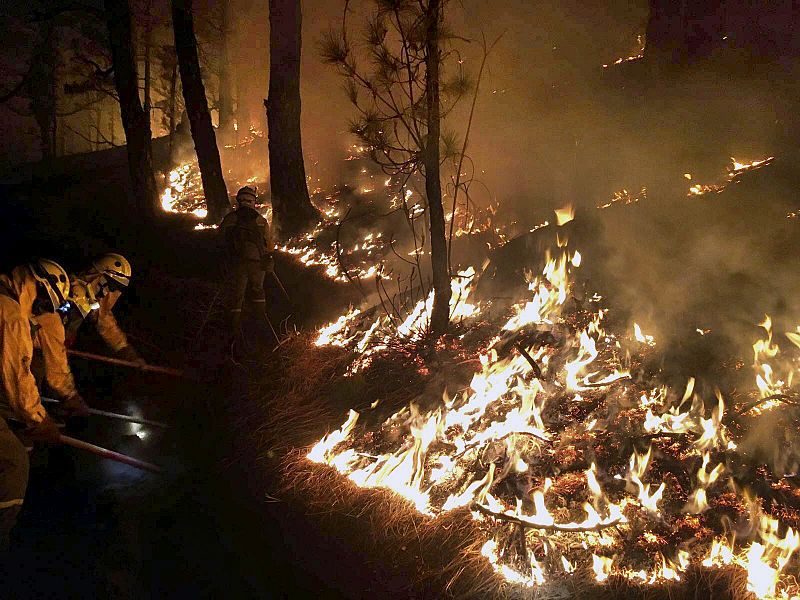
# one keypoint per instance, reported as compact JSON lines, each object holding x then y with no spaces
{"x":554,"y":528}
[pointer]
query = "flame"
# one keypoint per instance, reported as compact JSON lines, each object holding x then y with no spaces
{"x":460,"y":452}
{"x":564,"y":215}
{"x":623,"y":198}
{"x":697,"y":502}
{"x":641,"y":337}
{"x":601,"y":566}
{"x":637,"y":466}
{"x":771,"y":381}
{"x":735,"y":169}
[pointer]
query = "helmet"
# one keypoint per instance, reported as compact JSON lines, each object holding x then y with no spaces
{"x":53,"y":278}
{"x":114,"y":266}
{"x":82,"y":296}
{"x":247,"y":195}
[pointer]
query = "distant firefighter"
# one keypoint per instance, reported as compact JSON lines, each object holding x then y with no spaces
{"x":248,"y":249}
{"x":38,"y":288}
{"x":93,"y":296}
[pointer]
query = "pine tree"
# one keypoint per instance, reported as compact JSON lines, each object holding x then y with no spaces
{"x":401,"y":100}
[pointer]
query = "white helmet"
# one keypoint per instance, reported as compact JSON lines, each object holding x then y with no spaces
{"x":114,"y":266}
{"x":53,"y":278}
{"x":82,"y":296}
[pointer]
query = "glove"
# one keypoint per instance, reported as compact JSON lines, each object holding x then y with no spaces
{"x":129,"y":354}
{"x":74,"y":406}
{"x":268,"y":263}
{"x":44,"y":432}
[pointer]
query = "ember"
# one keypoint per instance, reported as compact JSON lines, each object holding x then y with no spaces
{"x":734,"y":170}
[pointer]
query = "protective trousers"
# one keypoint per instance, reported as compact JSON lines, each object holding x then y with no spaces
{"x":246,"y":281}
{"x":13,"y":480}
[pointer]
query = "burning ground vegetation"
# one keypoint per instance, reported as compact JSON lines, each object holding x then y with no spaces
{"x":555,"y":462}
{"x":375,"y":225}
{"x":558,"y":457}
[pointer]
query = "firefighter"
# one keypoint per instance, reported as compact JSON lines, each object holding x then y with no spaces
{"x":108,"y":276}
{"x":91,"y":298}
{"x":50,"y":339}
{"x":248,"y":249}
{"x":28,"y":290}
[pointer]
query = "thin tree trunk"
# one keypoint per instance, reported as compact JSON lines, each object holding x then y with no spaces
{"x":134,"y":120}
{"x":173,"y":92}
{"x":440,"y":316}
{"x":225,"y":87}
{"x":194,"y":96}
{"x":148,"y":104}
{"x":111,"y":126}
{"x":54,"y":94}
{"x":291,"y":206}
{"x":42,"y":89}
{"x":97,"y":123}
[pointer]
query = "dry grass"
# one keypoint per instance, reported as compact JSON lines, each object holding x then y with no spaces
{"x":438,"y":556}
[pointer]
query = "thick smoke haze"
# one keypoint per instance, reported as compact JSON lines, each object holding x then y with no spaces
{"x":553,"y":127}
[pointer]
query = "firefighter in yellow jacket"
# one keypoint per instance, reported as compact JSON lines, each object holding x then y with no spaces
{"x":37,"y":288}
{"x":93,"y":297}
{"x":107,"y":278}
{"x":50,"y":340}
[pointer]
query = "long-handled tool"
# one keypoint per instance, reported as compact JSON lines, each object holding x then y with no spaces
{"x":127,"y":363}
{"x":110,"y":454}
{"x":112,"y":415}
{"x":280,"y":285}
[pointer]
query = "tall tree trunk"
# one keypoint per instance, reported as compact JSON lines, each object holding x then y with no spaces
{"x":148,"y":104}
{"x":97,"y":124}
{"x":173,"y":92}
{"x":194,"y":96}
{"x":42,"y":88}
{"x":225,"y":86}
{"x":113,"y":128}
{"x":148,"y":43}
{"x":291,"y":206}
{"x":440,"y":316}
{"x":134,"y":120}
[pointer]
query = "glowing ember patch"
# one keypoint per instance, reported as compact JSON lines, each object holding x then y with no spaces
{"x":734,"y":170}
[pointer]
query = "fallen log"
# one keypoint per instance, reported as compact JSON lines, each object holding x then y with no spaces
{"x":127,"y":363}
{"x":110,"y":454}
{"x":118,"y":416}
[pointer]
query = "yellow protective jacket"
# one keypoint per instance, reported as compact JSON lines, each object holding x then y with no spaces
{"x":107,"y":325}
{"x":51,"y":340}
{"x":19,"y":395}
{"x":103,"y":317}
